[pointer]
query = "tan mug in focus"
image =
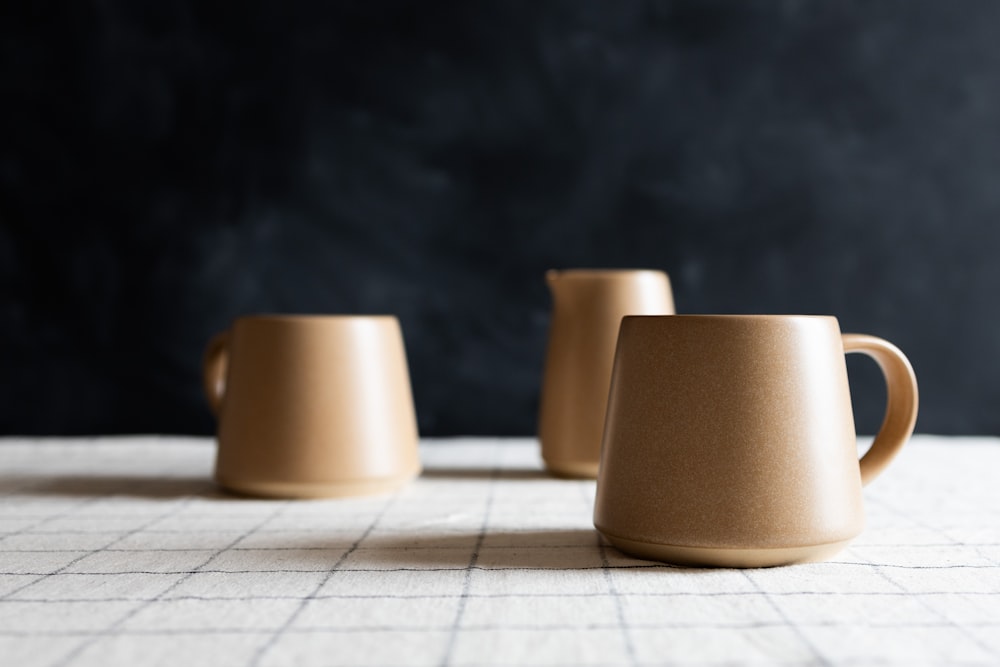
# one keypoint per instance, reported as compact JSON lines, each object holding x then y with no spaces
{"x":587,"y":309}
{"x":730,"y":439}
{"x":312,"y":406}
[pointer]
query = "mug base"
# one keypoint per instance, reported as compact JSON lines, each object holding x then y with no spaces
{"x":573,"y":469}
{"x":303,"y":490}
{"x":725,"y":557}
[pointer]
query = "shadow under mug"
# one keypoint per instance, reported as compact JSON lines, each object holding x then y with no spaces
{"x":730,"y":439}
{"x":312,"y":406}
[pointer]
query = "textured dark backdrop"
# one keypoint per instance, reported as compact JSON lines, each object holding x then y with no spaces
{"x":167,"y":166}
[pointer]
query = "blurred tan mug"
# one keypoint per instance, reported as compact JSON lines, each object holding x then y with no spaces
{"x":587,"y":309}
{"x":312,"y":406}
{"x":730,"y":439}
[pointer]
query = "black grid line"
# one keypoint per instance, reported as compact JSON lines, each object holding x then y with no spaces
{"x":562,"y":594}
{"x":493,"y":546}
{"x":473,"y":559}
{"x":605,"y":566}
{"x":972,"y":638}
{"x":273,"y":639}
{"x":44,"y":575}
{"x":481,"y":627}
{"x":488,"y":627}
{"x":609,"y":580}
{"x":113,"y":628}
{"x":888,"y":506}
{"x":787,"y":622}
{"x":520,"y":547}
{"x":42,"y":520}
{"x":621,"y":625}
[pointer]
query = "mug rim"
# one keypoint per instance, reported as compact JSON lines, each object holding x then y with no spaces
{"x":583,"y":273}
{"x":309,"y":317}
{"x":733,"y":316}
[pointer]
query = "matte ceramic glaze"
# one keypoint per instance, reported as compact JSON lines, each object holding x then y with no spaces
{"x":588,"y":306}
{"x":312,"y":406}
{"x":730,"y":439}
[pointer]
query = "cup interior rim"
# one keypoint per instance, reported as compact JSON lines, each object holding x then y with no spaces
{"x":734,"y":316}
{"x":579,"y":273}
{"x":311,"y":317}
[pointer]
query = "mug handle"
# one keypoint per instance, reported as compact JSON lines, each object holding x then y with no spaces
{"x":213,"y":370}
{"x":901,"y":401}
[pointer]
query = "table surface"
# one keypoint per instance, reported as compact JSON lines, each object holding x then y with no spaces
{"x":120,"y":551}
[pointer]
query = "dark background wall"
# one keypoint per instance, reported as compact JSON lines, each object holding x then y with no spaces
{"x":168,"y":166}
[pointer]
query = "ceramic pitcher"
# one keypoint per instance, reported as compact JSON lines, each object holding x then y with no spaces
{"x":588,"y":306}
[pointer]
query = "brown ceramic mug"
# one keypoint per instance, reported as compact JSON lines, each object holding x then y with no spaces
{"x":730,"y":439}
{"x":587,"y":309}
{"x":312,"y":406}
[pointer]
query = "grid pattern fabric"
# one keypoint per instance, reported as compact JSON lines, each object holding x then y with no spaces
{"x":120,"y":551}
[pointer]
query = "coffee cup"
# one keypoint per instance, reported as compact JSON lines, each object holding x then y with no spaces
{"x":312,"y":406}
{"x":730,"y":440}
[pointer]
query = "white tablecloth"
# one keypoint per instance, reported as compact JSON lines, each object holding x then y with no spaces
{"x":120,"y":551}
